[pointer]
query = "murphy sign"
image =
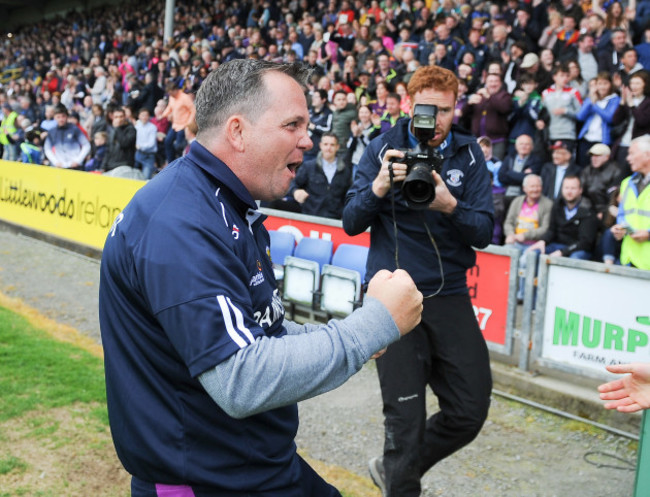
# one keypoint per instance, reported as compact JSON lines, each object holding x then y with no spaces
{"x":593,"y":319}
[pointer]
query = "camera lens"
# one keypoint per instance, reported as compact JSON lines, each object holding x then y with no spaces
{"x":419,"y":188}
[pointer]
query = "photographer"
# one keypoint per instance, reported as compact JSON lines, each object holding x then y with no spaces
{"x":433,"y":243}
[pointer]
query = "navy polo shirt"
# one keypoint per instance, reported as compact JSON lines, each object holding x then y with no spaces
{"x":186,"y":282}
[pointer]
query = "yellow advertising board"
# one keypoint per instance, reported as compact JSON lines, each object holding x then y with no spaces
{"x":73,"y":205}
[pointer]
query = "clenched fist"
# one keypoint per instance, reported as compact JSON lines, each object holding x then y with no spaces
{"x":400,"y":296}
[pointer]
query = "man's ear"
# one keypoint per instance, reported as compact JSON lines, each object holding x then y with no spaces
{"x":235,"y":132}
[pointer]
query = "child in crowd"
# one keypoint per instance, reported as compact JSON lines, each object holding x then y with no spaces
{"x":95,"y":162}
{"x":31,"y":151}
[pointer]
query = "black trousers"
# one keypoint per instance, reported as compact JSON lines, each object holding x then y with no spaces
{"x":448,"y":353}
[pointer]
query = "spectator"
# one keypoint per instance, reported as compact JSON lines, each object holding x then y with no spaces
{"x":8,"y":132}
{"x":567,"y":37}
{"x":441,"y":58}
{"x":476,"y":47}
{"x":562,"y":103}
{"x":609,"y":56}
{"x":576,"y":81}
{"x":528,"y":219}
{"x":632,"y":117}
{"x":66,"y":146}
{"x":512,"y":63}
{"x":149,"y":95}
{"x":643,"y":49}
{"x":320,"y":121}
{"x":31,"y":151}
{"x":378,"y":106}
{"x":500,"y":46}
{"x":405,"y":100}
{"x":180,"y":109}
{"x":561,"y":165}
{"x":586,"y":56}
{"x":162,"y":126}
{"x":633,"y":222}
{"x":600,"y":180}
{"x":531,"y":64}
{"x":526,"y":110}
{"x":488,"y":110}
{"x":146,"y":144}
{"x":362,"y":130}
{"x":515,"y":167}
{"x":321,"y":184}
{"x":629,"y":65}
{"x":121,"y":142}
{"x":98,"y":153}
{"x":525,"y":29}
{"x":344,"y":113}
{"x":426,"y":46}
{"x":498,"y":190}
{"x":48,"y":123}
{"x":548,"y":39}
{"x":573,"y":227}
{"x":99,"y":90}
{"x":393,"y":112}
{"x":597,"y":113}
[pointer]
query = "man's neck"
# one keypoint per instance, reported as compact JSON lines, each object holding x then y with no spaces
{"x":530,"y":201}
{"x":571,"y":205}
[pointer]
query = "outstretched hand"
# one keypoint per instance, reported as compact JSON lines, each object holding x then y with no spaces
{"x":630,"y":393}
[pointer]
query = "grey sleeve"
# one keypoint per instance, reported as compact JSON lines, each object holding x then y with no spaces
{"x":275,"y":372}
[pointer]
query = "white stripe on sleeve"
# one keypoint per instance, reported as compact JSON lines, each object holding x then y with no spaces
{"x":227,"y":319}
{"x":239,"y":319}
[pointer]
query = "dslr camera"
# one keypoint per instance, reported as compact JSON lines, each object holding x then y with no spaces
{"x":419,"y":188}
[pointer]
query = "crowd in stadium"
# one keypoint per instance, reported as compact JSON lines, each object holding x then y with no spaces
{"x":552,"y":90}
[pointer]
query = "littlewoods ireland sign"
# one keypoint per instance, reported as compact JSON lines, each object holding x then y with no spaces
{"x":594,"y":319}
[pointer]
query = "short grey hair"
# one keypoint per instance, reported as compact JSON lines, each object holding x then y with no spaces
{"x":643,"y":142}
{"x":237,"y":87}
{"x":530,"y":177}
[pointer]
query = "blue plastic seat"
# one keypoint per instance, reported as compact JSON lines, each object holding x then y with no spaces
{"x":282,"y":245}
{"x":351,"y":257}
{"x":315,"y":249}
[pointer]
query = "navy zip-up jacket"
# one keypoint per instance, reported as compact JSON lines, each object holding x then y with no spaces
{"x":470,"y":225}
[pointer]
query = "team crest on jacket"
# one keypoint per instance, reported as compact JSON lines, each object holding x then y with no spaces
{"x":235,"y":232}
{"x":454,"y":177}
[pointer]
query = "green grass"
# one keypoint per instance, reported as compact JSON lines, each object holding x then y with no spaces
{"x":37,"y":372}
{"x":11,"y":463}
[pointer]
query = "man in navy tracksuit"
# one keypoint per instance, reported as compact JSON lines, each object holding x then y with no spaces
{"x":202,"y":370}
{"x":446,"y":351}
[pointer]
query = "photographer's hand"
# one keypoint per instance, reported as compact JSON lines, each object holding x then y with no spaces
{"x":444,"y":202}
{"x":381,"y":184}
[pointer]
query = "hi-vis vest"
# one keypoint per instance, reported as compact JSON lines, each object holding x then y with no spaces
{"x":7,"y":128}
{"x":636,"y":211}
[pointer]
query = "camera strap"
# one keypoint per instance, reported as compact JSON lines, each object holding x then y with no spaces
{"x":426,"y":227}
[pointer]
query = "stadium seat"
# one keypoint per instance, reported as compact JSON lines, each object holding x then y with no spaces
{"x":351,"y":257}
{"x":282,"y":245}
{"x":315,"y":249}
{"x":301,"y":281}
{"x":302,"y":273}
{"x":343,"y":279}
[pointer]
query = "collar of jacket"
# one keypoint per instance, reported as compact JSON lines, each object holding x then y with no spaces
{"x":204,"y":159}
{"x":340,"y":164}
